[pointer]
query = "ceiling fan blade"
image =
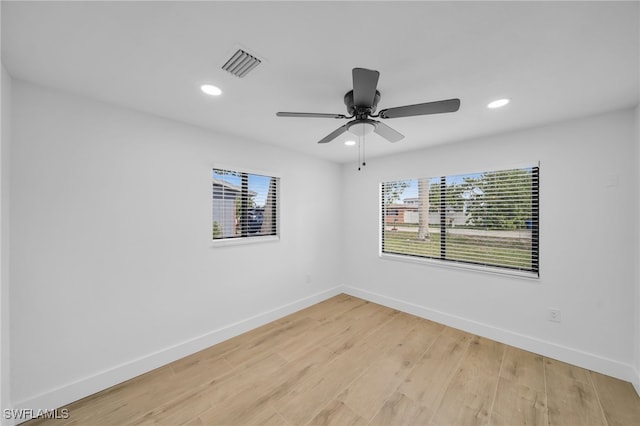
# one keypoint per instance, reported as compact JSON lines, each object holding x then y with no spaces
{"x":309,"y":115}
{"x":387,"y":132}
{"x":364,"y":86}
{"x":331,"y":136}
{"x":450,"y":105}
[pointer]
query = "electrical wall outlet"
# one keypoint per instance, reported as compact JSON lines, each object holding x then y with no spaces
{"x":553,"y":315}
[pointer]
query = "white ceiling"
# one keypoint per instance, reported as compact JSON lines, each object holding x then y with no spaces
{"x":555,"y":60}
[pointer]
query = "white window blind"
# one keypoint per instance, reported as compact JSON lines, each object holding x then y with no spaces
{"x":488,"y":219}
{"x":245,"y":205}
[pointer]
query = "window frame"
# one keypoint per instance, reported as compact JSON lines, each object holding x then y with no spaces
{"x":461,"y":264}
{"x":249,"y":239}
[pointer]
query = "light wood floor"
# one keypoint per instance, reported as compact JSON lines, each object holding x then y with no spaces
{"x":346,"y":361}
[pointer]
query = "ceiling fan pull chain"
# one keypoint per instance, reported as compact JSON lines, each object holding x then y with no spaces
{"x":364,"y":143}
{"x":359,"y":143}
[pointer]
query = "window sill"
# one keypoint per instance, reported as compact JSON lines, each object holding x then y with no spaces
{"x":464,"y":266}
{"x":225,"y":242}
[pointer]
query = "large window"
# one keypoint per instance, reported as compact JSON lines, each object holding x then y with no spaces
{"x":245,"y":205}
{"x":487,"y":219}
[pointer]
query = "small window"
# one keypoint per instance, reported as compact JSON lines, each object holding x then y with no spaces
{"x":245,"y":205}
{"x":488,"y":219}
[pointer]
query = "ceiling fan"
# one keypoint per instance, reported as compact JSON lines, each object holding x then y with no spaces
{"x":361,"y":103}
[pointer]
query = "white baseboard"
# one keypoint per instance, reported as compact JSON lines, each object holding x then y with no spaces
{"x":74,"y":391}
{"x":566,"y":354}
{"x":636,"y":380}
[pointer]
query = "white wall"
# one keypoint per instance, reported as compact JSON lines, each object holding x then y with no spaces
{"x":587,"y":243}
{"x":112,"y":267}
{"x":5,"y":110}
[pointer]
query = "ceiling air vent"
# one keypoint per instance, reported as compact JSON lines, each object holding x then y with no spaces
{"x":241,"y":63}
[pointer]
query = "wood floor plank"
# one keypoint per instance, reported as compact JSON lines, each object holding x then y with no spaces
{"x":427,"y":382}
{"x":244,"y":339}
{"x":305,"y":399}
{"x":331,"y":308}
{"x":620,"y":403}
{"x":368,"y":319}
{"x":176,"y":412}
{"x":341,"y":325}
{"x":126,"y":390}
{"x":521,"y":396}
{"x":241,"y":380}
{"x":296,"y":347}
{"x":571,"y":399}
{"x":162,"y":399}
{"x":469,"y":396}
{"x":368,"y":393}
{"x":292,"y":374}
{"x":265,"y":391}
{"x":115,"y":406}
{"x":336,"y":413}
{"x":325,"y":385}
{"x":571,"y":372}
{"x":517,"y":404}
{"x":249,"y":415}
{"x":523,"y":368}
{"x":399,"y":409}
{"x":195,"y":422}
{"x":266,"y":342}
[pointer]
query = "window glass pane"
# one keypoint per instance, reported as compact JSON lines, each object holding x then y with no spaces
{"x":227,"y":191}
{"x":412,"y":218}
{"x":244,"y":204}
{"x":261,"y":209}
{"x":488,"y":218}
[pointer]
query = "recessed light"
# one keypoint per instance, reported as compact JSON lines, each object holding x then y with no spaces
{"x":498,"y":103}
{"x":350,"y":143}
{"x":211,"y":90}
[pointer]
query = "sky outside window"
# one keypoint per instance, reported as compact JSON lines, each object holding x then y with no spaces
{"x":411,"y":190}
{"x":258,"y":184}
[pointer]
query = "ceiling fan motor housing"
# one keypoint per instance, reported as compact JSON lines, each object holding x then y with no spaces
{"x":360,"y":111}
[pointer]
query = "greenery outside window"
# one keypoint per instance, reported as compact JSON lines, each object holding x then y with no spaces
{"x":245,"y":205}
{"x":488,"y":220}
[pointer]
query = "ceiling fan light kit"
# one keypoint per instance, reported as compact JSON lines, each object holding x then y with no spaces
{"x":361,"y":103}
{"x":361,"y":128}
